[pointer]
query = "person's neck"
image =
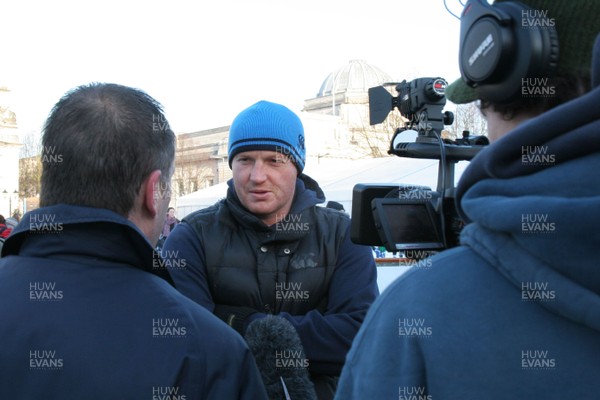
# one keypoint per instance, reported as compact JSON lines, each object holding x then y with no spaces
{"x":498,"y":126}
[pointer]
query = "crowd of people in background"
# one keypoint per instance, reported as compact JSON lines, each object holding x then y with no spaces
{"x":6,"y":227}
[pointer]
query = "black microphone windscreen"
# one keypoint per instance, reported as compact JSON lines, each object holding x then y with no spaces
{"x":280,"y":358}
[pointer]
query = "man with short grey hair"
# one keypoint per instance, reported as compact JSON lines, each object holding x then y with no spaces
{"x":88,"y":310}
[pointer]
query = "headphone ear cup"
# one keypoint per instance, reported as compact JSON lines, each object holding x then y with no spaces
{"x":487,"y":48}
{"x":526,"y":48}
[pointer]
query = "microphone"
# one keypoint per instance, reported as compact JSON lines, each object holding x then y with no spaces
{"x":280,"y":358}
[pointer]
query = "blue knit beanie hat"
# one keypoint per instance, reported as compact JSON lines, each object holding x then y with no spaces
{"x":268,"y":126}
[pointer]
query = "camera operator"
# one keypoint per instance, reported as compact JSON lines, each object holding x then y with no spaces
{"x":513,"y":312}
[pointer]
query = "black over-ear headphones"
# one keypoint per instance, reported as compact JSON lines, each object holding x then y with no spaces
{"x":501,"y":44}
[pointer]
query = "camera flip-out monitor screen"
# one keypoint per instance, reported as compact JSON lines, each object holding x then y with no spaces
{"x":406,"y":225}
{"x":362,"y":228}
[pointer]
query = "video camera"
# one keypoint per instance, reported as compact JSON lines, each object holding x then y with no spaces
{"x":414,"y":219}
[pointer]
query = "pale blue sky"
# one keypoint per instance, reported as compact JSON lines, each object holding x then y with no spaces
{"x":205,"y":61}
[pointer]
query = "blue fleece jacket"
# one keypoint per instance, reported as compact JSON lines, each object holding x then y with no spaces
{"x":514,"y":313}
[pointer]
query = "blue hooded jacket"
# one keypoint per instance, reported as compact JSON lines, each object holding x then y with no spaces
{"x":514,"y":312}
{"x":87,"y":311}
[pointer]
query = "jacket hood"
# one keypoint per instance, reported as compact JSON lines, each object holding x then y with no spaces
{"x":67,"y":231}
{"x":308,"y":193}
{"x":533,"y":198}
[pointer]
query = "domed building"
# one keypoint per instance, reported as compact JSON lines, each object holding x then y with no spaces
{"x":348,"y":85}
{"x":344,"y":96}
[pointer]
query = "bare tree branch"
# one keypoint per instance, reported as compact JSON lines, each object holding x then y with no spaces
{"x":467,"y":117}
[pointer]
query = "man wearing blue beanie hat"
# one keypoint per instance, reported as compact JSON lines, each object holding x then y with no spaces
{"x":268,"y":249}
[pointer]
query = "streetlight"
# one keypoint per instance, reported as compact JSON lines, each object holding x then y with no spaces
{"x":5,"y":193}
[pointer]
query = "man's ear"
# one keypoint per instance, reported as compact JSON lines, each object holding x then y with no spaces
{"x":152,"y":192}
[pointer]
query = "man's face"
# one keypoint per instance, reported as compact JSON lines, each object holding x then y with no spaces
{"x":265,"y":182}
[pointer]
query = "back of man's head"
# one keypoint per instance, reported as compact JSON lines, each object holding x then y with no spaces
{"x":100,"y":142}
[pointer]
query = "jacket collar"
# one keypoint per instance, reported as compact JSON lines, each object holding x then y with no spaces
{"x":74,"y":232}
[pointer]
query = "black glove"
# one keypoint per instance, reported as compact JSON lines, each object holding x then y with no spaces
{"x":234,"y":316}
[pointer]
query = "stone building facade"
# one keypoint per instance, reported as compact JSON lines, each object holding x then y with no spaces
{"x":201,"y":160}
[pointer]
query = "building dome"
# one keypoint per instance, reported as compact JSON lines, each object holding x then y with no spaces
{"x":356,"y":76}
